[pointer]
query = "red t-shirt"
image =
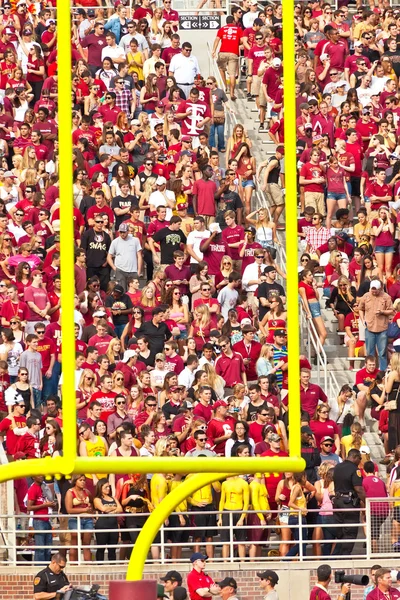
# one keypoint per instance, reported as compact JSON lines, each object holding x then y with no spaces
{"x":311,"y":171}
{"x":106,"y":400}
{"x":321,"y":429}
{"x":230,"y":36}
{"x":214,"y":253}
{"x":205,"y":192}
{"x":217,"y":429}
{"x":100,"y":343}
{"x":35,"y":494}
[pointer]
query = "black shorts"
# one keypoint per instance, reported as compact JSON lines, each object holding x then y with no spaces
{"x":180,"y":536}
{"x":240,"y":533}
{"x":355,"y":186}
{"x":396,"y":514}
{"x":205,"y":523}
{"x":376,"y":524}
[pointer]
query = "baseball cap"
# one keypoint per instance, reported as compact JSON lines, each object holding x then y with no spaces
{"x":280,"y":149}
{"x":36,"y":272}
{"x":187,"y":405}
{"x":118,"y":288}
{"x":123,"y":228}
{"x":229,"y":581}
{"x":19,"y":456}
{"x":161,"y":181}
{"x":99,"y":313}
{"x":251,"y":229}
{"x":276,"y":62}
{"x":172,"y":576}
{"x":220,"y":403}
{"x":182,"y":206}
{"x":8,"y":31}
{"x":198,"y":556}
{"x":357,"y":44}
{"x":308,"y":126}
{"x":175,"y":388}
{"x":49,"y":22}
{"x":365,"y":450}
{"x":307,"y":429}
{"x":269,"y":269}
{"x":186,"y":138}
{"x":275,"y":437}
{"x":375,"y":285}
{"x":160,"y":105}
{"x":160,"y":356}
{"x":270,"y":575}
{"x":9,"y":174}
{"x":279,"y":332}
{"x":366,"y":111}
{"x":128,"y":354}
{"x":97,"y":116}
{"x":304,"y":106}
{"x":327,"y":438}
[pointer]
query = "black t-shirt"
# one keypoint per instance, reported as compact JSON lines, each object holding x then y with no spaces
{"x":47,"y":581}
{"x":96,"y":246}
{"x":143,"y":178}
{"x":170,"y":410}
{"x":86,"y":203}
{"x":122,"y":202}
{"x":121,"y":304}
{"x":346,"y":476}
{"x":229,"y":201}
{"x":156,"y":335}
{"x":395,"y":60}
{"x":169,"y":242}
{"x":264,"y":290}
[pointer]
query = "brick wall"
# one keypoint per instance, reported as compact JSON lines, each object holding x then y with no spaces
{"x":295,"y":581}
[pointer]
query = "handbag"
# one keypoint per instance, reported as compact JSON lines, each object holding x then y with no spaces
{"x":219,"y":117}
{"x":392,"y":404}
{"x":393,"y":331}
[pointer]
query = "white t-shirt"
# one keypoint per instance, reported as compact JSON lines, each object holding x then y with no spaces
{"x":112,"y":52}
{"x":158,"y":199}
{"x":194,"y":239}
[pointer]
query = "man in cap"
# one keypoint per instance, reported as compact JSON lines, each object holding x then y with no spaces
{"x":130,"y":367}
{"x":376,"y":310}
{"x":199,"y":583}
{"x":125,"y":257}
{"x":162,"y":197}
{"x":120,"y":305}
{"x":268,"y":581}
{"x":228,"y":587}
{"x":271,"y":83}
{"x":161,"y":592}
{"x":327,"y":452}
{"x":269,"y":288}
{"x":171,"y":580}
{"x":270,"y":183}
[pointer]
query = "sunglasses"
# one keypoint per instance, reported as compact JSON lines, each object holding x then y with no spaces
{"x":201,"y":439}
{"x":120,"y":403}
{"x":81,"y":433}
{"x":327,"y":445}
{"x":90,"y":378}
{"x":40,"y":332}
{"x":21,"y":405}
{"x":119,"y":379}
{"x":152,"y":405}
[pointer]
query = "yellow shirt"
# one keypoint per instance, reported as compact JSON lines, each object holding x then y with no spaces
{"x":183,"y":506}
{"x":203,"y":495}
{"x":347,"y":442}
{"x":96,"y":448}
{"x":235,"y":494}
{"x":134,"y":68}
{"x":158,"y":488}
{"x":300,"y":502}
{"x":259,"y":498}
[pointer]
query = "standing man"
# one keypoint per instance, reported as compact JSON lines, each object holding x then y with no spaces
{"x":39,"y":504}
{"x":94,"y":42}
{"x":96,"y":244}
{"x":349,"y":493}
{"x":31,"y":359}
{"x":156,"y":331}
{"x":250,"y":351}
{"x":120,"y":306}
{"x":228,"y":587}
{"x":271,"y":179}
{"x":171,"y":238}
{"x":200,"y":585}
{"x":376,"y":310}
{"x":38,"y":302}
{"x":230,"y":366}
{"x":229,"y":36}
{"x":125,"y":256}
{"x":320,"y":590}
{"x":184,"y":67}
{"x":268,"y":581}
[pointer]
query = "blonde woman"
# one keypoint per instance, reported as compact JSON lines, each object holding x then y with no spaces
{"x":118,"y":384}
{"x":147,"y":301}
{"x":265,"y":228}
{"x":201,"y":326}
{"x":156,"y":23}
{"x":265,"y":363}
{"x":28,"y":160}
{"x":149,"y":188}
{"x":354,"y":440}
{"x":226,"y":268}
{"x":169,"y":122}
{"x":114,"y":352}
{"x":135,"y":401}
{"x":17,"y":161}
{"x":238,"y":137}
{"x":215,"y":381}
{"x":85,"y":390}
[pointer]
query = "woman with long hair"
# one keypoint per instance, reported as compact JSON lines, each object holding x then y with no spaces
{"x":383,"y":231}
{"x":132,"y":326}
{"x":160,"y":426}
{"x":333,"y":271}
{"x":282,"y":497}
{"x":298,"y":511}
{"x":52,"y":439}
{"x":274,"y":319}
{"x":232,"y":327}
{"x":135,"y":401}
{"x":214,"y":380}
{"x":155,"y":26}
{"x":265,"y":363}
{"x":114,"y":353}
{"x":325,"y":492}
{"x":10,"y":352}
{"x":308,"y":294}
{"x":170,"y":379}
{"x":105,"y":504}
{"x":118,"y":384}
{"x":222,"y":278}
{"x":354,"y":440}
{"x":79,"y":501}
{"x":147,"y":302}
{"x":265,"y":228}
{"x":149,"y":94}
{"x":368,"y":270}
{"x":179,"y":312}
{"x":238,"y":137}
{"x":85,"y":390}
{"x":246,"y":171}
{"x":201,"y":326}
{"x":200,"y":275}
{"x":337,"y":192}
{"x":322,"y":426}
{"x":342,"y":300}
{"x":107,"y":72}
{"x":135,"y":501}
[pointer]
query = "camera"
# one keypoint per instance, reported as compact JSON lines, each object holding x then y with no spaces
{"x":341,"y":577}
{"x":84,"y":593}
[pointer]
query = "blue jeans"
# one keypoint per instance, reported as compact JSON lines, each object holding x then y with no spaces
{"x":119,"y":329}
{"x":377,"y":341}
{"x":42,"y":539}
{"x":220,"y":132}
{"x":295,"y":548}
{"x":37,"y":397}
{"x":50,"y":385}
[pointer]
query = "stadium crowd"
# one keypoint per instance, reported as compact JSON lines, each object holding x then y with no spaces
{"x":180,"y":318}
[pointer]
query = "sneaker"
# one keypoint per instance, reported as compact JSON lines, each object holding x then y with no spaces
{"x":248,"y":95}
{"x":249,"y":98}
{"x":261,"y":128}
{"x":396,"y":547}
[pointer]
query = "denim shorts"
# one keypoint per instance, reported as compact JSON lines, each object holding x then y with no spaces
{"x":335,"y":196}
{"x":315,"y":309}
{"x":248,"y":183}
{"x":183,"y":335}
{"x":384,"y":249}
{"x":86,"y":524}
